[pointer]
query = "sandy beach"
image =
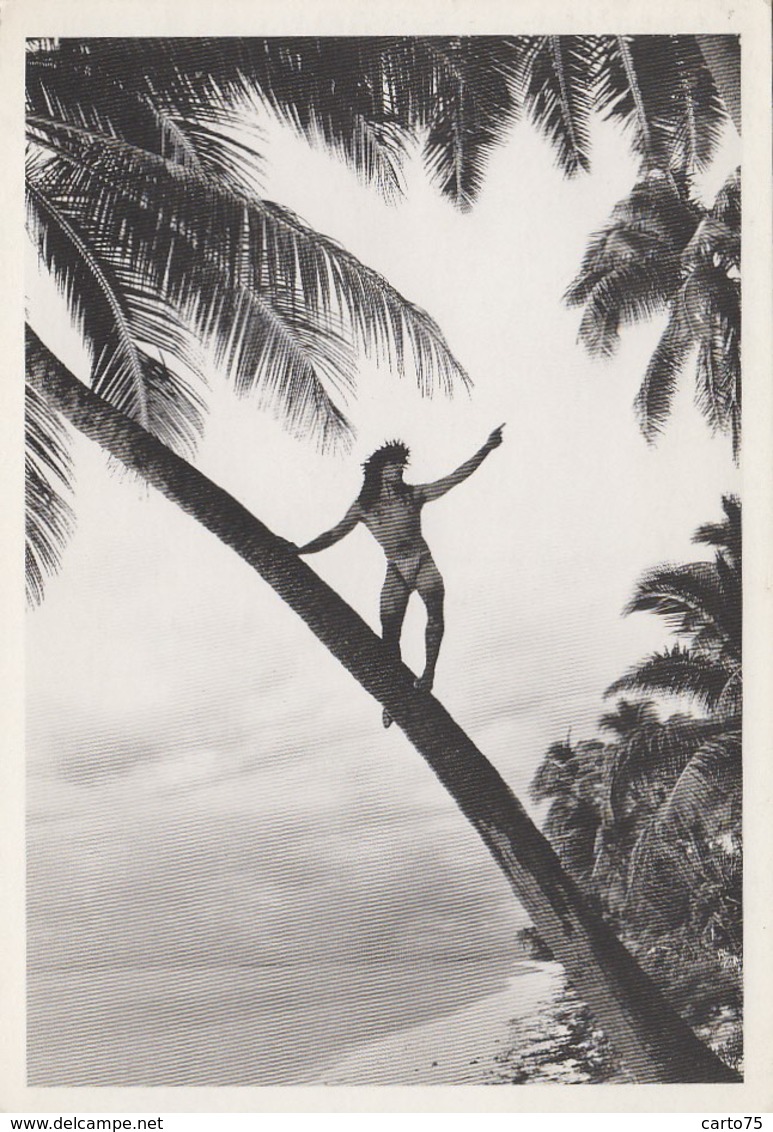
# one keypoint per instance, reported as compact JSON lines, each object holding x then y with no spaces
{"x":465,"y":1047}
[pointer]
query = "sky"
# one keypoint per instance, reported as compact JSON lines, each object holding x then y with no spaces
{"x":207,"y":786}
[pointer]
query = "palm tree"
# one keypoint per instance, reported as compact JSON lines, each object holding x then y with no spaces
{"x":666,"y":792}
{"x":137,"y":200}
{"x":661,"y":249}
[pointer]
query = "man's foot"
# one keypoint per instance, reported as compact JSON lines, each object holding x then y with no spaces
{"x":386,"y":718}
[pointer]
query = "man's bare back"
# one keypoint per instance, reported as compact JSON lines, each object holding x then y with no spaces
{"x":391,"y":510}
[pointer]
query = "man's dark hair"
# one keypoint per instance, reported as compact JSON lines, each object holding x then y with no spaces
{"x":395,"y":452}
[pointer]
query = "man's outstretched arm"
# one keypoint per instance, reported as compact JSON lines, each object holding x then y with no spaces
{"x":335,"y":534}
{"x":431,"y":491}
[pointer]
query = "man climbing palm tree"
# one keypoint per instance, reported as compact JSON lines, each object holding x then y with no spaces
{"x":391,"y":510}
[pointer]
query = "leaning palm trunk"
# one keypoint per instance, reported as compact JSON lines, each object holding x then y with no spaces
{"x":656,"y":1045}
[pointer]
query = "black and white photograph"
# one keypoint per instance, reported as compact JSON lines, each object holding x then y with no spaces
{"x":383,"y":511}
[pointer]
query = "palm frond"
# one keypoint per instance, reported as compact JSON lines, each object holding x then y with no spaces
{"x":266,"y":339}
{"x":555,"y":774}
{"x":714,"y":244}
{"x":706,"y":784}
{"x":679,"y":672}
{"x":94,"y":301}
{"x":175,"y":406}
{"x":730,"y":577}
{"x":705,"y":314}
{"x":554,"y":79}
{"x":377,"y":151}
{"x":634,"y":290}
{"x":727,"y":203}
{"x":275,"y":352}
{"x":661,"y":249}
{"x":619,"y":92}
{"x":677,"y":867}
{"x":718,"y":373}
{"x":591,"y":774}
{"x":221,"y":140}
{"x":693,"y":599}
{"x":223,"y":146}
{"x":659,"y":879}
{"x":49,"y":518}
{"x":335,"y":92}
{"x":65,"y":86}
{"x":700,"y":114}
{"x":624,"y":241}
{"x":632,"y":267}
{"x":571,"y":826}
{"x":726,"y":535}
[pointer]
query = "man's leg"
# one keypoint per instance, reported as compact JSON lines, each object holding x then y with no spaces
{"x":429,"y":583}
{"x":394,"y":602}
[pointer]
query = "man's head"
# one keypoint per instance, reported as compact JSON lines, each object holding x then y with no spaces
{"x":394,"y":454}
{"x":385,"y":466}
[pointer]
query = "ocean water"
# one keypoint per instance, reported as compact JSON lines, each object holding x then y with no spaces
{"x":270,"y":1025}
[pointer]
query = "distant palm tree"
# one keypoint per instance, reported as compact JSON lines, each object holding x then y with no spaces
{"x":572,"y":777}
{"x":674,"y":787}
{"x":623,"y":811}
{"x":661,"y":250}
{"x":664,"y":795}
{"x":607,"y":800}
{"x":692,"y":821}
